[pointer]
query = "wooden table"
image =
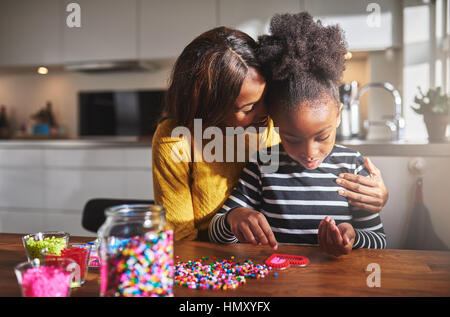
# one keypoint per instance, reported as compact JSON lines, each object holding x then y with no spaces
{"x":403,"y":272}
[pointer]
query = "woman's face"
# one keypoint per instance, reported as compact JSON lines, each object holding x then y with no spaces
{"x":308,"y":134}
{"x":250,"y":110}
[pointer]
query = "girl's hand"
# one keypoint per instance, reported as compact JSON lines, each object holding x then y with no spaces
{"x":336,"y":240}
{"x":365,"y":192}
{"x":251,"y":226}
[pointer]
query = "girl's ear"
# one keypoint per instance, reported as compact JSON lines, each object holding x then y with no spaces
{"x":338,"y":122}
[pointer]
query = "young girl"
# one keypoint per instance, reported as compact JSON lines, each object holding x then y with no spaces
{"x":303,"y":63}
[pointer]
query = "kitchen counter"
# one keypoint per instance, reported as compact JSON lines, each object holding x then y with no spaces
{"x":96,"y":143}
{"x":366,"y":147}
{"x":398,"y":148}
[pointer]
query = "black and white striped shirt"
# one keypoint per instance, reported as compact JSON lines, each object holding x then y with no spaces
{"x":294,"y":200}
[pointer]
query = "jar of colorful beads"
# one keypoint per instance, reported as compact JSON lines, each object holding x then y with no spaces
{"x":136,"y":252}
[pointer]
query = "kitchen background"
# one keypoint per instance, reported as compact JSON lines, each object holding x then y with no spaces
{"x":121,"y":57}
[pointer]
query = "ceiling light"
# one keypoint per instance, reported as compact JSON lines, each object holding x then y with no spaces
{"x":42,"y":70}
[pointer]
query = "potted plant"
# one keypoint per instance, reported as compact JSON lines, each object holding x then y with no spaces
{"x":434,"y":107}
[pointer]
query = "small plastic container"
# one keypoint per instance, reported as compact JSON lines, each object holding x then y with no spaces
{"x":50,"y":279}
{"x":80,"y":254}
{"x":36,"y":244}
{"x":94,"y":259}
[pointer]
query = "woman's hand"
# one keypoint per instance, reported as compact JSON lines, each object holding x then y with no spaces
{"x":335,"y":240}
{"x":251,"y":226}
{"x":365,"y":192}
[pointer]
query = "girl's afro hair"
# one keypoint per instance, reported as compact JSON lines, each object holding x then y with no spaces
{"x":302,"y":56}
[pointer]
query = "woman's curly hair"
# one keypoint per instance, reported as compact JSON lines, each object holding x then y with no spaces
{"x":301,"y":59}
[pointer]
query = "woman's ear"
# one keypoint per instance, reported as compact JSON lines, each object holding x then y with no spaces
{"x":338,"y":122}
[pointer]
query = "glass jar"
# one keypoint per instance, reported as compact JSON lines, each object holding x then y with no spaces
{"x":136,"y":252}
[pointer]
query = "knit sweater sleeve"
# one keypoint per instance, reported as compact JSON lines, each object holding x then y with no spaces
{"x":171,"y":182}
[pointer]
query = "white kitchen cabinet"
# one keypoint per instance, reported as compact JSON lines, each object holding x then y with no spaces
{"x":167,"y":26}
{"x":74,"y":176}
{"x":84,"y":158}
{"x":401,"y":184}
{"x":21,"y":187}
{"x":364,"y":28}
{"x":23,"y":158}
{"x":30,"y":32}
{"x":138,"y":184}
{"x":253,"y":16}
{"x":108,"y":32}
{"x":19,"y":221}
{"x":45,"y":189}
{"x":64,"y":222}
{"x":21,"y":178}
{"x":67,"y":189}
{"x":138,"y":158}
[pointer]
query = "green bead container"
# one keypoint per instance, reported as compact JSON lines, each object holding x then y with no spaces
{"x":36,"y":244}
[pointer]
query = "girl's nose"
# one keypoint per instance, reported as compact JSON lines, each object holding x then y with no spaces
{"x":310,"y":150}
{"x":262,"y":109}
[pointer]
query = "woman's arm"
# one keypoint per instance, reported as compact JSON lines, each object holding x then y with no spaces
{"x":171,"y":186}
{"x":369,"y":231}
{"x":366,"y":192}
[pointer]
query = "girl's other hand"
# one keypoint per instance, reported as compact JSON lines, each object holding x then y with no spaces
{"x":335,"y":240}
{"x":251,"y":226}
{"x":368,"y":193}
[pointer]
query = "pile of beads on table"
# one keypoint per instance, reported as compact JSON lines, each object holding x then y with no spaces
{"x":46,"y":281}
{"x":138,"y":266}
{"x":218,"y":275}
{"x":52,"y":245}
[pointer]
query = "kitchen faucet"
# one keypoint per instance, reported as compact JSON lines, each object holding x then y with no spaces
{"x":395,"y":123}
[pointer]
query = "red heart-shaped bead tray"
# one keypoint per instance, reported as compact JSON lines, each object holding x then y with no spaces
{"x":283,"y":261}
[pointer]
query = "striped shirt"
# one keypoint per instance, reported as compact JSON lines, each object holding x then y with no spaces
{"x":295,"y":200}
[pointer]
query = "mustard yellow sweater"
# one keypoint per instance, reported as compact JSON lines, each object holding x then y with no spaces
{"x":192,"y":192}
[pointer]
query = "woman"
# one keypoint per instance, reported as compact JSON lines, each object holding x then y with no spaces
{"x":218,"y":79}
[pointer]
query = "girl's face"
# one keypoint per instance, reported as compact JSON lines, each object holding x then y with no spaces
{"x":309,"y":132}
{"x":250,"y":109}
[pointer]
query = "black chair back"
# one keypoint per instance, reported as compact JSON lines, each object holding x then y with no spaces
{"x":94,"y":210}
